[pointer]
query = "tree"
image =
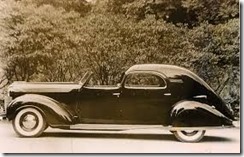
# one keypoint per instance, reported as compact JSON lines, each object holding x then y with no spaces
{"x":111,"y":44}
{"x":213,"y":11}
{"x":80,"y":6}
{"x":190,"y":12}
{"x":218,"y":59}
{"x":38,"y":42}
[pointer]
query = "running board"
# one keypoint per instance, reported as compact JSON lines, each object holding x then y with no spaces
{"x":122,"y":127}
{"x":112,"y":127}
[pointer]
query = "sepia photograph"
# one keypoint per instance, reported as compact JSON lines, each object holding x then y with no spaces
{"x":120,"y":76}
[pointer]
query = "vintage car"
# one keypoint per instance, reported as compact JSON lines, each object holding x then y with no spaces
{"x":148,"y":96}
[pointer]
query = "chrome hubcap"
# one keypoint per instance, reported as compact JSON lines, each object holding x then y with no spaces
{"x":29,"y":122}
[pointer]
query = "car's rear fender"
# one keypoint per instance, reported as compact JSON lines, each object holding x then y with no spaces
{"x":196,"y":114}
{"x":56,"y":113}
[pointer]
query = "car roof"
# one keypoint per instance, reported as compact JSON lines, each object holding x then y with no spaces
{"x":168,"y":70}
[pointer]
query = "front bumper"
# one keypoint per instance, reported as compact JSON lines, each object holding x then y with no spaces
{"x":3,"y":116}
{"x":236,"y":124}
{"x":2,"y":112}
{"x":3,"y":108}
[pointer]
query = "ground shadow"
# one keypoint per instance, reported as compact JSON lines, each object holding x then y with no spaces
{"x":167,"y":137}
{"x":216,"y":139}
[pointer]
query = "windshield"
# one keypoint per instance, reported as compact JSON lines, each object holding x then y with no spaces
{"x":85,"y":78}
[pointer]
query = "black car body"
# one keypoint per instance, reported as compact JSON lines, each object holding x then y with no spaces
{"x":148,"y":95}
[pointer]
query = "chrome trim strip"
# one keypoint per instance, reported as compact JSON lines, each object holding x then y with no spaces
{"x":201,"y":96}
{"x":111,"y":127}
{"x":128,"y":87}
{"x":199,"y":128}
{"x":120,"y":127}
{"x":167,"y":94}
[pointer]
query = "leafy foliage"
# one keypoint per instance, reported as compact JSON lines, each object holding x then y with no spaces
{"x":190,"y":12}
{"x":213,"y":11}
{"x":111,"y":44}
{"x":80,"y":6}
{"x":219,"y":57}
{"x":39,"y":43}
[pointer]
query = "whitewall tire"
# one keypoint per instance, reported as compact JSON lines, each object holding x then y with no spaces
{"x":29,"y":122}
{"x":189,"y":135}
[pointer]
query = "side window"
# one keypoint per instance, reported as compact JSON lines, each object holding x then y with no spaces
{"x":144,"y":80}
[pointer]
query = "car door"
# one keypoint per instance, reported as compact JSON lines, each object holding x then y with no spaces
{"x":145,"y":98}
{"x":98,"y":105}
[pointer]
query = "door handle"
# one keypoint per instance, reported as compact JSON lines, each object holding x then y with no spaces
{"x":167,"y":94}
{"x":116,"y":94}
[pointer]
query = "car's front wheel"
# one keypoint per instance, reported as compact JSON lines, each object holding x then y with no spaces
{"x":189,"y":135}
{"x":29,"y":122}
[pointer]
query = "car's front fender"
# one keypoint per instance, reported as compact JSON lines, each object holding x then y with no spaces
{"x":56,"y":113}
{"x":196,"y":114}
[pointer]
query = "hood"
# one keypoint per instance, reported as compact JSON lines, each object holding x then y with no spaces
{"x":43,"y":87}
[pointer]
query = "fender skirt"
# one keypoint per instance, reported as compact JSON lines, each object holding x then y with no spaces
{"x":196,"y":114}
{"x":56,"y":113}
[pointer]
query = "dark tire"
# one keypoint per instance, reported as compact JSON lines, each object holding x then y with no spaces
{"x":189,"y":136}
{"x":29,"y":122}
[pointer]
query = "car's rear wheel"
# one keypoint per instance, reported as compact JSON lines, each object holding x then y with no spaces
{"x":29,"y":122}
{"x":189,"y":135}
